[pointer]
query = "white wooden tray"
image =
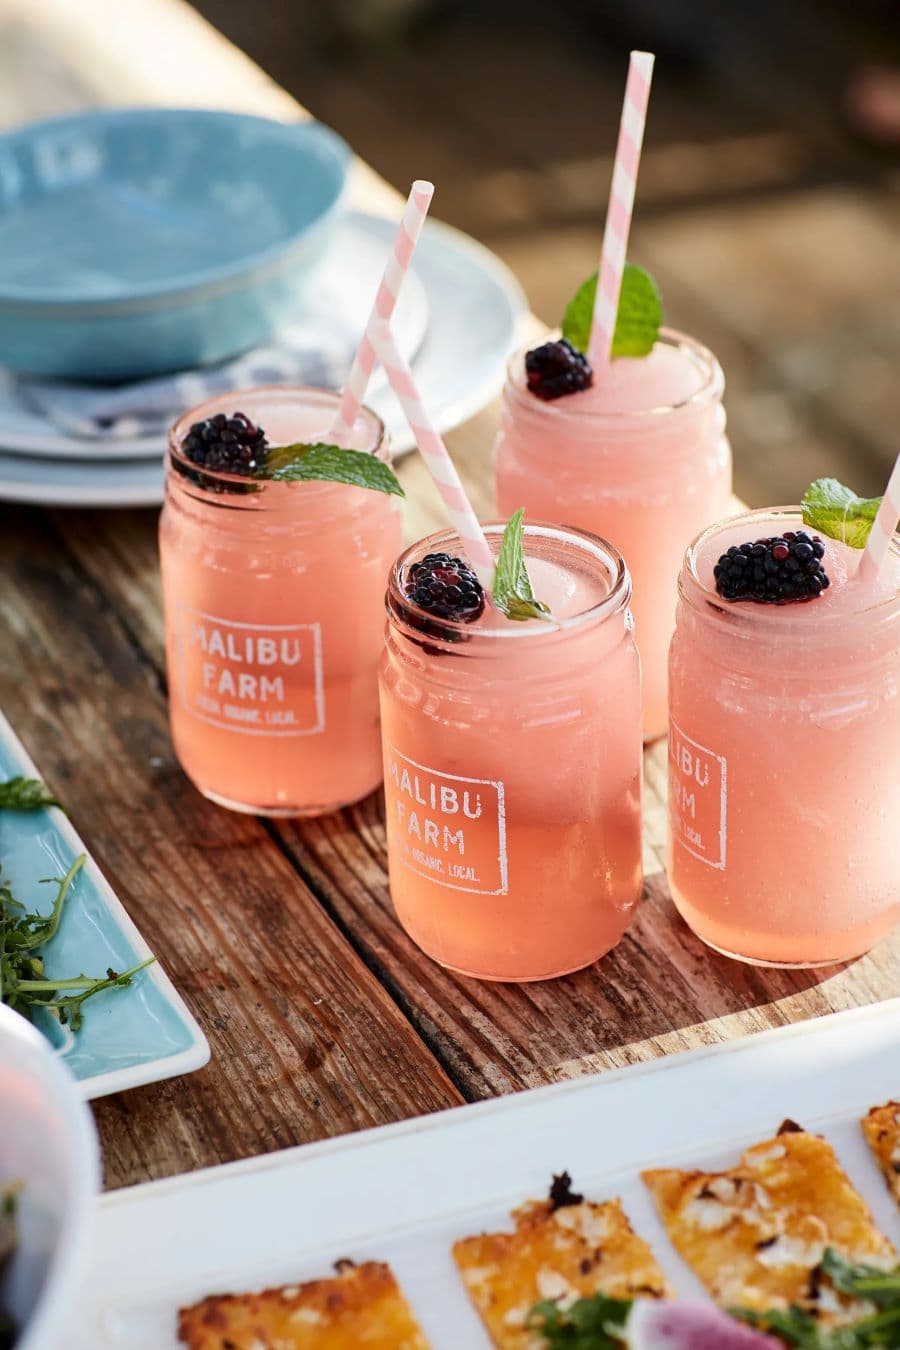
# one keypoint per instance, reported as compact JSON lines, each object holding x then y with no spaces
{"x":404,"y":1192}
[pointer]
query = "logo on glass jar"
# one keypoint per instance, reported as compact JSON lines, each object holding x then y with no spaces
{"x":698,"y":792}
{"x":259,"y":679}
{"x":448,"y":828}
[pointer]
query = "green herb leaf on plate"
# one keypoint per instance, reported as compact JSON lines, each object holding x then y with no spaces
{"x":793,"y":1326}
{"x":24,"y":985}
{"x":638,"y":319}
{"x":512,"y":592}
{"x":869,"y":1284}
{"x":25,"y":794}
{"x":302,"y":463}
{"x":75,"y":992}
{"x":879,"y":1286}
{"x":835,"y":510}
{"x":594,"y":1323}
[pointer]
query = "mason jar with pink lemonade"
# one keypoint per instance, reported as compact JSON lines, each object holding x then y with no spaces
{"x":512,"y":758}
{"x":637,"y":453}
{"x":272,"y":592}
{"x":784,"y":777}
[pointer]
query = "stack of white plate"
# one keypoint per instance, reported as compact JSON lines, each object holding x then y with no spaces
{"x":460,"y":317}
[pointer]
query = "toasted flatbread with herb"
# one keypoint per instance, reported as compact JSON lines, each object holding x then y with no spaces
{"x":563,"y":1248}
{"x":882,"y":1130}
{"x":756,"y":1235}
{"x":359,"y":1306}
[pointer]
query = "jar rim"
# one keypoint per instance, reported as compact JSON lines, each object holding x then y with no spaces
{"x":410,"y":616}
{"x":770,"y":618}
{"x":711,"y":390}
{"x":296,"y":393}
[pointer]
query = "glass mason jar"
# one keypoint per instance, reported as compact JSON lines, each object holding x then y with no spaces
{"x":641,"y":459}
{"x":784,"y":778}
{"x":272,"y":595}
{"x":512,"y":756}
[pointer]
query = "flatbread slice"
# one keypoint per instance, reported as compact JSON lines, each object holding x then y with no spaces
{"x":756,"y":1235}
{"x":563,"y":1248}
{"x":360,"y":1305}
{"x":882,"y":1130}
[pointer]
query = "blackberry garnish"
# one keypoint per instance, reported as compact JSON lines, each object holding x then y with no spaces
{"x":446,"y":587}
{"x":561,"y":1193}
{"x":774,"y":571}
{"x":226,"y":444}
{"x":556,"y":369}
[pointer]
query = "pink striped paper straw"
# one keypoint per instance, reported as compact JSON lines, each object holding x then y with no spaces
{"x":397,"y":266}
{"x":883,"y":529}
{"x":621,"y":205}
{"x":435,"y":454}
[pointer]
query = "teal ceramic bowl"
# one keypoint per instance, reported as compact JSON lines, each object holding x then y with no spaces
{"x":139,"y":241}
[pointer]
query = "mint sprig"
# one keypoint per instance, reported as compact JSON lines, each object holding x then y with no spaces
{"x":833,"y":509}
{"x":638,"y":319}
{"x":303,"y":463}
{"x":512,"y":592}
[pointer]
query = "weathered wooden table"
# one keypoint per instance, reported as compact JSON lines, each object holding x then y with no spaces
{"x":322,"y":1016}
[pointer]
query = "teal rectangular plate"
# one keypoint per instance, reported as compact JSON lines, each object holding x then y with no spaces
{"x":130,"y":1036}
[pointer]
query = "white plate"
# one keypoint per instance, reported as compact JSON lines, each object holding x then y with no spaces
{"x":476,"y":318}
{"x":130,"y":1036}
{"x":338,"y":302}
{"x":405,"y":1192}
{"x":49,"y":1149}
{"x":75,"y":482}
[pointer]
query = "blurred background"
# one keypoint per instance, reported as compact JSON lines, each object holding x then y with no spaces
{"x":769,"y":197}
{"x":768,"y":200}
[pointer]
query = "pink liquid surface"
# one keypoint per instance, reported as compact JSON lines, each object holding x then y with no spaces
{"x":664,"y":378}
{"x":641,"y":459}
{"x":784,"y":785}
{"x":512,"y":779}
{"x":273,"y":605}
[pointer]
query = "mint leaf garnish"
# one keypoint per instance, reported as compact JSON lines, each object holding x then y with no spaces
{"x":302,"y":463}
{"x":640,"y":314}
{"x":637,"y":321}
{"x":512,"y":593}
{"x":576,"y":324}
{"x":835,"y":510}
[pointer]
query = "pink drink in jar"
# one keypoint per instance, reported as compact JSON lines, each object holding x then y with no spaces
{"x":272,"y":594}
{"x":512,"y":755}
{"x":640,"y":458}
{"x":784,"y":778}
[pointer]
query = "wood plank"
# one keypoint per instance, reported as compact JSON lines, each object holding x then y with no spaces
{"x":128,"y":51}
{"x":58,"y":57}
{"x":306,"y":1043}
{"x":661,"y":990}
